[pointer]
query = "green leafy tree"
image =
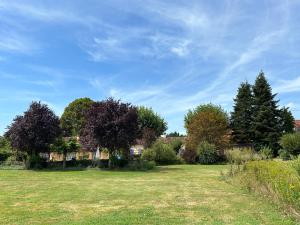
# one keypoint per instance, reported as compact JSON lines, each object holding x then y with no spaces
{"x":265,"y":127}
{"x":151,"y":125}
{"x":5,"y":149}
{"x":241,"y":117}
{"x":65,"y":146}
{"x":73,"y":118}
{"x":287,"y":120}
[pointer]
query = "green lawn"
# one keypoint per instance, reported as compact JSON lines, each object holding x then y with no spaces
{"x":183,"y":194}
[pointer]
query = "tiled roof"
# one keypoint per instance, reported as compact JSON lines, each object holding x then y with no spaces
{"x":297,"y":123}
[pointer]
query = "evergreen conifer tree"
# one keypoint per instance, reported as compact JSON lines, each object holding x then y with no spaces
{"x":287,"y":120}
{"x":266,"y":116}
{"x":242,"y":114}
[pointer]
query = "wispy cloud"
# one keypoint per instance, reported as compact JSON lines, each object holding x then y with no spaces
{"x":286,"y":86}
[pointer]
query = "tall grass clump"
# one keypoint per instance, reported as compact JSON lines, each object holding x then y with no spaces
{"x":277,"y":180}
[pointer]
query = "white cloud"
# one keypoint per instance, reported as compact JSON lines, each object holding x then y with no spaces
{"x":286,"y":86}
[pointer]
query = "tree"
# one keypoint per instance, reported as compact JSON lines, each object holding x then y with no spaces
{"x":110,"y":124}
{"x":64,"y":146}
{"x":207,"y":123}
{"x":287,"y":120}
{"x":34,"y":131}
{"x":174,"y":134}
{"x":242,"y":115}
{"x":151,"y":125}
{"x":5,"y":149}
{"x":73,"y":118}
{"x":266,"y":125}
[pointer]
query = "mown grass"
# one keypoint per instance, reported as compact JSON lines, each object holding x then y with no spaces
{"x":183,"y":194}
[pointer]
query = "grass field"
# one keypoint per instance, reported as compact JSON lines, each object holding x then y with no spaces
{"x":183,"y":194}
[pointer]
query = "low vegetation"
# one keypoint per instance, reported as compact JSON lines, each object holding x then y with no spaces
{"x":179,"y":194}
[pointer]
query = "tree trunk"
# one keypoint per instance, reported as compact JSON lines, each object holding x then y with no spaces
{"x":64,"y":159}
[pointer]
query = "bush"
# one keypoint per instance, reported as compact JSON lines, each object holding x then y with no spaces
{"x":284,"y":155}
{"x":240,"y":156}
{"x":278,"y":180}
{"x":176,"y":145}
{"x":207,"y":153}
{"x":189,"y":155}
{"x":291,"y":143}
{"x":161,"y":153}
{"x":141,"y":165}
{"x":149,"y":154}
{"x":266,"y":153}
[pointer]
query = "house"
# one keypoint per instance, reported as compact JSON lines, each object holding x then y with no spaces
{"x":297,"y":125}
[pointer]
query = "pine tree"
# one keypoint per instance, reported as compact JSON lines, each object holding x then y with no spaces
{"x":287,"y":120}
{"x":241,"y":117}
{"x":266,"y":117}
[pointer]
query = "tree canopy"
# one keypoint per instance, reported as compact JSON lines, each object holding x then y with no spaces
{"x":209,"y":123}
{"x":73,"y":118}
{"x":110,"y":124}
{"x":151,"y":125}
{"x":287,"y":120}
{"x":35,"y":130}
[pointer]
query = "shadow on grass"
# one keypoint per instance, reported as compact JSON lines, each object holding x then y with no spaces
{"x":157,"y":169}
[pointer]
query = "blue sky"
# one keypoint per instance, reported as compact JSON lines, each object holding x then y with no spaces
{"x":170,"y":55}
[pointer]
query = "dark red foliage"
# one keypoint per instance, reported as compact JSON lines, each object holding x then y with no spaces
{"x":110,"y":124}
{"x":34,"y":131}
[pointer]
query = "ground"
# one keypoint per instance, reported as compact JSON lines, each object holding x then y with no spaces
{"x":183,"y":194}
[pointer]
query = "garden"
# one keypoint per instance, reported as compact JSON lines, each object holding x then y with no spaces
{"x":221,"y":172}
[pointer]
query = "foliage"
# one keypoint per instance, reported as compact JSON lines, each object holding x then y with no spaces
{"x":110,"y":124}
{"x":189,"y":155}
{"x":73,"y":118}
{"x":207,"y":123}
{"x":5,"y":149}
{"x":34,"y":131}
{"x":174,"y":134}
{"x":65,"y":145}
{"x":207,"y":153}
{"x":284,"y":155}
{"x":239,"y":156}
{"x":242,"y":114}
{"x":148,"y":137}
{"x":296,"y":165}
{"x":278,"y":180}
{"x":266,"y":152}
{"x":161,"y":153}
{"x":151,"y":125}
{"x":265,"y":127}
{"x":291,"y":143}
{"x":176,"y":145}
{"x":287,"y":120}
{"x":149,"y":154}
{"x":141,"y":165}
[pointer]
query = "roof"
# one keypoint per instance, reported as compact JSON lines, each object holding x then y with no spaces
{"x":297,"y":123}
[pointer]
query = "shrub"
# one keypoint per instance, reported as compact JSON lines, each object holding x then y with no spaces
{"x":291,"y":143}
{"x":149,"y":155}
{"x":240,"y":156}
{"x":284,"y":155}
{"x":189,"y":155}
{"x":266,"y":152}
{"x":278,"y":180}
{"x":161,"y":153}
{"x":176,"y":145}
{"x":141,"y":165}
{"x":207,"y":153}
